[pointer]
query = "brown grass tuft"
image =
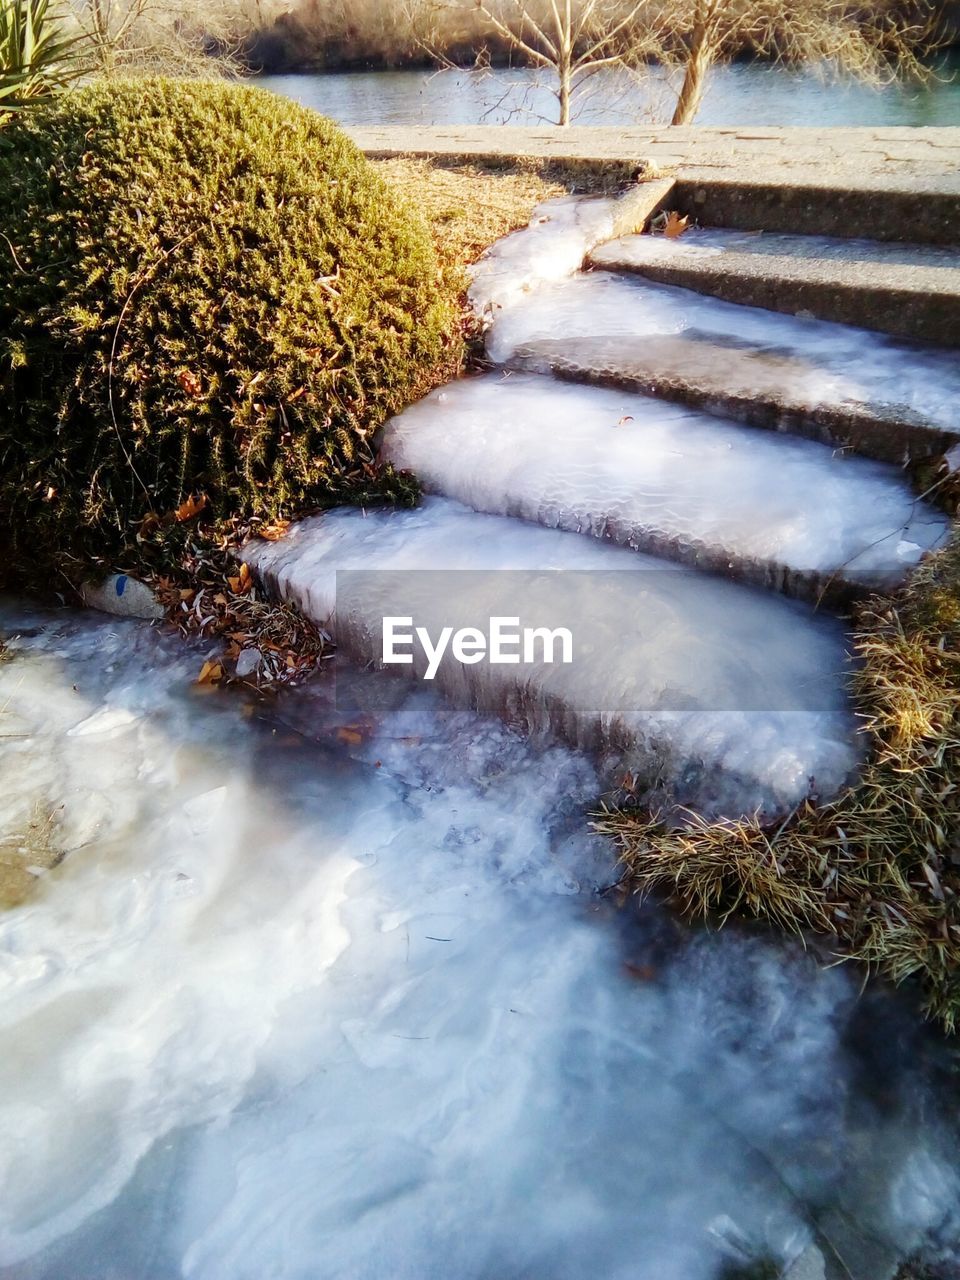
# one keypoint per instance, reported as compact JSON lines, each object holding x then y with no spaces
{"x":879,"y":867}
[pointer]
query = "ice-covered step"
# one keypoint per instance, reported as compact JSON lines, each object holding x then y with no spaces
{"x":560,"y":234}
{"x":760,"y":388}
{"x":910,"y":290}
{"x":786,"y":514}
{"x":716,"y":695}
{"x":883,"y":396}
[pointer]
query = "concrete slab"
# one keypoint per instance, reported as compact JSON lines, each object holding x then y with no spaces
{"x":869,"y":286}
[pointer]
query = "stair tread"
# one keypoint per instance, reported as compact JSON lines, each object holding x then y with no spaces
{"x":848,"y":365}
{"x":779,"y":512}
{"x":911,"y":290}
{"x":784,"y":391}
{"x":899,"y":266}
{"x":736,"y":697}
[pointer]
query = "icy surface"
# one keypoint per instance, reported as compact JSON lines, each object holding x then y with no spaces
{"x":708,"y":241}
{"x":661,"y":477}
{"x":843,"y":364}
{"x":322,"y":992}
{"x":734,"y":696}
{"x":560,"y":235}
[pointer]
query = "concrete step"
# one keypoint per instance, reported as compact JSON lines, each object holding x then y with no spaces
{"x":912,"y":291}
{"x":885,"y":182}
{"x":785,"y":514}
{"x":833,"y":377}
{"x":917,"y":204}
{"x":715,"y":695}
{"x":772,"y":389}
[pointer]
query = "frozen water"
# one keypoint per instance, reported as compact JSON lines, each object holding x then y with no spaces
{"x":322,"y":993}
{"x":710,"y":241}
{"x":734,"y":697}
{"x":842,"y":364}
{"x":560,"y":235}
{"x":663,"y":478}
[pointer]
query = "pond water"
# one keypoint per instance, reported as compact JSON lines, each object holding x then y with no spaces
{"x":324,"y":989}
{"x":742,"y":94}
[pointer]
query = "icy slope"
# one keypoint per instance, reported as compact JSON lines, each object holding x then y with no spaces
{"x":733,"y":699}
{"x":554,"y":245}
{"x":308,"y":1010}
{"x":777,"y":511}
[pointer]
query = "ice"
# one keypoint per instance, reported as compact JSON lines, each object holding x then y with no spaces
{"x":711,"y":241}
{"x":560,"y":235}
{"x":842,"y":364}
{"x":310,"y":1007}
{"x":663,"y":478}
{"x":734,"y":698}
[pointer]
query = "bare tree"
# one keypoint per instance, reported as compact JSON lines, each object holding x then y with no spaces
{"x":165,"y":36}
{"x":571,"y":39}
{"x":870,"y":40}
{"x":874,"y":42}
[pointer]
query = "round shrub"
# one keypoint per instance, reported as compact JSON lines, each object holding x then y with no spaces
{"x":208,"y":298}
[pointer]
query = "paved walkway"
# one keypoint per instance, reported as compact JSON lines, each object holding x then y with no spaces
{"x":868,"y":156}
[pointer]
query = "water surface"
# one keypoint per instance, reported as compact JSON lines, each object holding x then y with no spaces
{"x":741,"y":94}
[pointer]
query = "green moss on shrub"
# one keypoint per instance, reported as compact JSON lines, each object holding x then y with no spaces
{"x":204,"y":289}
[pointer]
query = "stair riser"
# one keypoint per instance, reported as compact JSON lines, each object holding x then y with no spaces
{"x":840,"y":428}
{"x":927,"y":217}
{"x":829,"y":590}
{"x":928,"y":318}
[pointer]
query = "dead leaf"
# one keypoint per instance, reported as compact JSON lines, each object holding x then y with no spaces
{"x":274,"y":532}
{"x":211,"y":672}
{"x":934,"y":882}
{"x":190,"y":507}
{"x":639,"y":972}
{"x":242,"y":583}
{"x":674,"y":225}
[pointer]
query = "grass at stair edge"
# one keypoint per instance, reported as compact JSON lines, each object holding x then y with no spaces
{"x":878,"y":868}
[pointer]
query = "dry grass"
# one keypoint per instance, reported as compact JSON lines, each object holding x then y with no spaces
{"x":468,"y":207}
{"x":30,"y":846}
{"x":25,"y":854}
{"x":878,"y":868}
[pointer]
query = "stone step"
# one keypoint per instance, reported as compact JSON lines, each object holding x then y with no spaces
{"x":909,"y":290}
{"x":899,"y":183}
{"x":774,"y":390}
{"x":834,"y":378}
{"x":920,"y":204}
{"x":714,"y":695}
{"x":785,"y":514}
